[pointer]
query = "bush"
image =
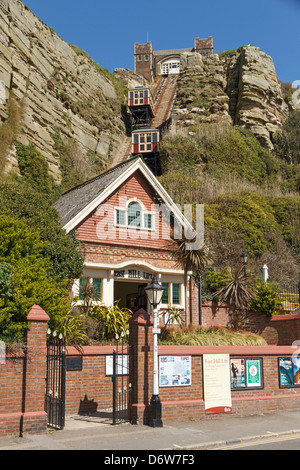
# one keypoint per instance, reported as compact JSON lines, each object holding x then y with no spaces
{"x":112,"y":322}
{"x":267,"y":299}
{"x":25,"y":278}
{"x":214,"y":336}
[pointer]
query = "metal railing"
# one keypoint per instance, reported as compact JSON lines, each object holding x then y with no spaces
{"x":290,"y":297}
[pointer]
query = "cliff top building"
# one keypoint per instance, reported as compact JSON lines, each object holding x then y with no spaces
{"x":149,"y":63}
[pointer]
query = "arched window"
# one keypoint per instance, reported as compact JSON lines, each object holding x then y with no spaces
{"x":134,"y":214}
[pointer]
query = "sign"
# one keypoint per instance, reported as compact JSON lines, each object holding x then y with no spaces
{"x":238,"y":373}
{"x":216,"y":381}
{"x":175,"y":371}
{"x":132,"y":274}
{"x":246,"y":373}
{"x":74,"y":363}
{"x":253,"y":371}
{"x":122,"y":365}
{"x":289,"y":371}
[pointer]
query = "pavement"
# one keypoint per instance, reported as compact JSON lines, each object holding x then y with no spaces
{"x":93,"y":433}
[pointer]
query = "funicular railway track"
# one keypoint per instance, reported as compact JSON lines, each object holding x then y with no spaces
{"x":163,"y":92}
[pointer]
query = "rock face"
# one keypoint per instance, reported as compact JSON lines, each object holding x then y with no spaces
{"x":240,"y":88}
{"x":62,"y":91}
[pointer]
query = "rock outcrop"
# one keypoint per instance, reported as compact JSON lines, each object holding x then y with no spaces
{"x":240,"y":88}
{"x":62,"y":91}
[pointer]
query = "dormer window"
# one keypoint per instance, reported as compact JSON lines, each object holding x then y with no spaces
{"x":134,"y":215}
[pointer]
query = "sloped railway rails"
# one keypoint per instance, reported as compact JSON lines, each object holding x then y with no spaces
{"x":150,"y":109}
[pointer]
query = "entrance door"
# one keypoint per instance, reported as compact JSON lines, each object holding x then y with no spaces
{"x":130,"y":295}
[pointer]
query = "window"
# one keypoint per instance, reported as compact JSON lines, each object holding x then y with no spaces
{"x":90,"y":287}
{"x":148,"y":220}
{"x":139,"y":58}
{"x":165,"y":297}
{"x":175,"y":294}
{"x":146,"y":57}
{"x":120,"y":217}
{"x":134,"y":215}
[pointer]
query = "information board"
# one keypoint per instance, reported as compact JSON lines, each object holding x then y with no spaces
{"x":289,"y":371}
{"x":246,"y":373}
{"x":175,"y":371}
{"x":122,"y":365}
{"x":216,"y":380}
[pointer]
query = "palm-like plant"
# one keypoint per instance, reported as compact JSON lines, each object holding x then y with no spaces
{"x":238,"y":293}
{"x":191,"y":260}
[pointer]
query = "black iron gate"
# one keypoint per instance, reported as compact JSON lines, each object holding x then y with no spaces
{"x":122,"y":387}
{"x":55,"y":381}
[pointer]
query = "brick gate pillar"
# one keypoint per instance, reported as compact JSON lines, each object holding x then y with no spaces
{"x":34,"y":418}
{"x":141,"y":366}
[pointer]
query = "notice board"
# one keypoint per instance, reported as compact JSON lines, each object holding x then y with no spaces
{"x":216,"y":380}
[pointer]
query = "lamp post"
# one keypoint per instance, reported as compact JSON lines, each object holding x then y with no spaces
{"x":154,"y":294}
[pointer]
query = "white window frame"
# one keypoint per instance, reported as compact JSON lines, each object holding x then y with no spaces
{"x":143,"y":213}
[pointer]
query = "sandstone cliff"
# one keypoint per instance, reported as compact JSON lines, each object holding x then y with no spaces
{"x":240,"y":87}
{"x":63,"y":94}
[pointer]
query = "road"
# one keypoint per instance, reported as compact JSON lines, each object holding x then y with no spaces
{"x":283,"y":442}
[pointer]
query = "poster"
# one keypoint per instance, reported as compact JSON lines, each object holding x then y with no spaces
{"x":286,"y":378}
{"x":175,"y":371}
{"x":216,"y":380}
{"x":238,"y":373}
{"x":122,"y":365}
{"x":246,"y":373}
{"x":289,"y":371}
{"x":296,"y":370}
{"x":253,"y":370}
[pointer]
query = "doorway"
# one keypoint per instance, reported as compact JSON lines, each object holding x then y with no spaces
{"x":130,"y":295}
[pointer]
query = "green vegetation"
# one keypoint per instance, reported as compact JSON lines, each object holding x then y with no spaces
{"x":267,"y":299}
{"x":214,"y":336}
{"x":250,"y":195}
{"x":25,"y":279}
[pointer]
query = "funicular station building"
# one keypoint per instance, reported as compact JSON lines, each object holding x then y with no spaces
{"x":150,"y":64}
{"x":124,"y":220}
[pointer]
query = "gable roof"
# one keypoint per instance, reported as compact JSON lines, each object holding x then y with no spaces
{"x":77,"y":203}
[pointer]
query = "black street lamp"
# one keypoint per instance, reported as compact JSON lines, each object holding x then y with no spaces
{"x":154,"y":294}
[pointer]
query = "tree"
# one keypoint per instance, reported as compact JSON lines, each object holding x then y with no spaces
{"x":237,"y":294}
{"x":22,"y":249}
{"x":66,"y":261}
{"x":191,"y":260}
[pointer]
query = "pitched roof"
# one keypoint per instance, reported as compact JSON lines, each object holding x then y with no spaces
{"x":77,"y":203}
{"x":76,"y":199}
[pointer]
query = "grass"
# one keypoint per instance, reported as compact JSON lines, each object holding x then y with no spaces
{"x":213,"y":336}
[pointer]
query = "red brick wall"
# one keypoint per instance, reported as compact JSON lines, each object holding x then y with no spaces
{"x":90,"y":230}
{"x":11,"y":394}
{"x":179,"y":403}
{"x":89,"y":390}
{"x":22,"y":382}
{"x":280,"y":330}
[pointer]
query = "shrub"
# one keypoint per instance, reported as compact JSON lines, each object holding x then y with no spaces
{"x":266,"y":300}
{"x":112,"y":321}
{"x":30,"y":282}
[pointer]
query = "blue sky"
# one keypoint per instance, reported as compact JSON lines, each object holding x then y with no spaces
{"x":108,"y":29}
